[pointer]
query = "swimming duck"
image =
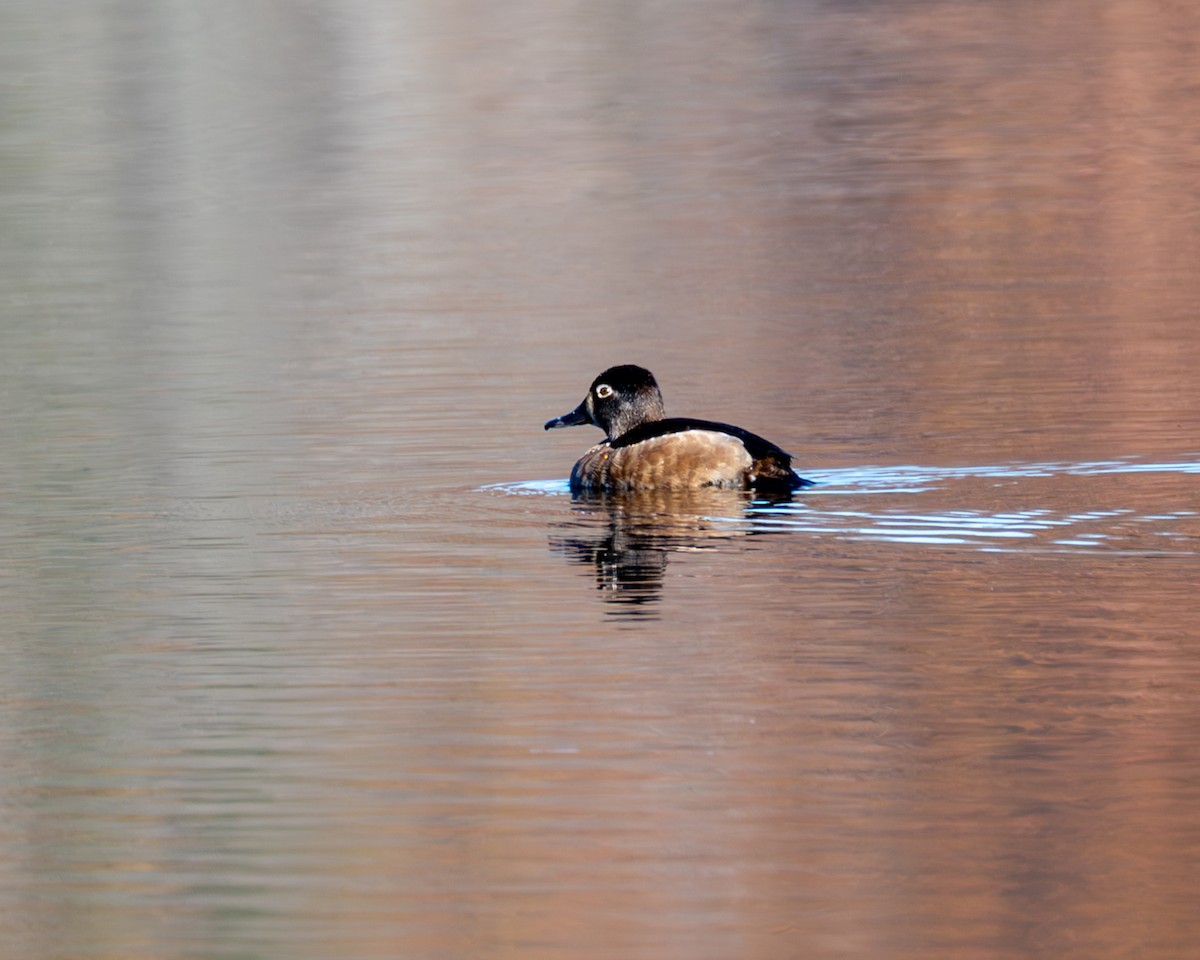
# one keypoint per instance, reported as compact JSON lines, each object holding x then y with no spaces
{"x":644,"y":449}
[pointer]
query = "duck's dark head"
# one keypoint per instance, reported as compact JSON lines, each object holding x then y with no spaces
{"x":617,"y":401}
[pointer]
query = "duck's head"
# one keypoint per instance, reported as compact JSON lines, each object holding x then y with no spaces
{"x":617,"y":401}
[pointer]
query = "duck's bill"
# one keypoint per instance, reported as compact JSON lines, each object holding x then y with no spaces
{"x":575,"y":418}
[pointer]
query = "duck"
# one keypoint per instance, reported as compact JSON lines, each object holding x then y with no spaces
{"x":644,"y":449}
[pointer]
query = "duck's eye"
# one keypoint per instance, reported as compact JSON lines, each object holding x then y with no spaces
{"x":604,"y":391}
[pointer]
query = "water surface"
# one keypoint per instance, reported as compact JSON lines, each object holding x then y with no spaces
{"x":308,"y":650}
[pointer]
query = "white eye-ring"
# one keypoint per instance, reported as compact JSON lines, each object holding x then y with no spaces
{"x":604,"y":391}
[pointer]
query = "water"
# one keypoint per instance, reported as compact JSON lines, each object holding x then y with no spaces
{"x":308,"y":650}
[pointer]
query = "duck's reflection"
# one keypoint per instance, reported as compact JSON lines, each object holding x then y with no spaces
{"x":627,"y":538}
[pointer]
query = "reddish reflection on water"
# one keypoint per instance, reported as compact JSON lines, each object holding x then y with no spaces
{"x":308,"y":653}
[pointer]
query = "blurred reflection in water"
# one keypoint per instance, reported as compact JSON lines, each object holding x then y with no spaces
{"x":628,"y":537}
{"x":301,"y":658}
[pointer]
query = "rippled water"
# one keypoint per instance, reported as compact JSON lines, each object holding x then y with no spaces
{"x":1039,"y":528}
{"x":308,"y":649}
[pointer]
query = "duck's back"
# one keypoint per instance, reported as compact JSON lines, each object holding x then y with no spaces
{"x":684,"y":453}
